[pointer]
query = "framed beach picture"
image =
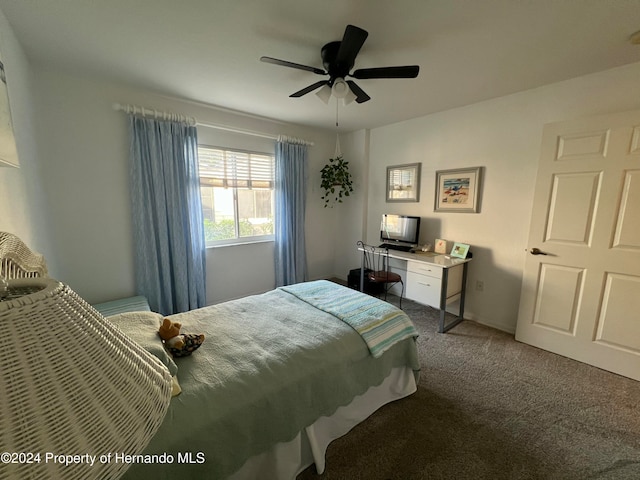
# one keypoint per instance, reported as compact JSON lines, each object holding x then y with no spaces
{"x":458,"y":190}
{"x":403,"y":183}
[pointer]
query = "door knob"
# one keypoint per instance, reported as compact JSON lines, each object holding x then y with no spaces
{"x":537,"y":251}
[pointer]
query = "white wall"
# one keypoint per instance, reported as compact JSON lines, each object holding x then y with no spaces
{"x":22,"y":209}
{"x":350,"y":216}
{"x":84,"y":145}
{"x":503,"y":135}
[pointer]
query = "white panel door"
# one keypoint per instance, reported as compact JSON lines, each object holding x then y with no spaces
{"x":581,"y":287}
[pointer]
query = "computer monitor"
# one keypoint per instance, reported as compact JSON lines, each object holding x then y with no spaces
{"x":400,"y":228}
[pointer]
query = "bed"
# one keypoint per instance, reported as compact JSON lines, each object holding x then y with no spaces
{"x":279,"y":376}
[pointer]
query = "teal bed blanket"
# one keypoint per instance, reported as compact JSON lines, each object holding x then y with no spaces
{"x":270,"y":365}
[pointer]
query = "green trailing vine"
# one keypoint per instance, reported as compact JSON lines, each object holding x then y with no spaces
{"x":336,"y":181}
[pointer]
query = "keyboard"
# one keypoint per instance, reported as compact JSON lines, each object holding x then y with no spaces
{"x":391,"y":246}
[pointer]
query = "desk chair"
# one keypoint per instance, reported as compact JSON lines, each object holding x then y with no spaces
{"x":377,"y":271}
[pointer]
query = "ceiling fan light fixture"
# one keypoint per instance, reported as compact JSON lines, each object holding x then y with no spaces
{"x":324,"y":94}
{"x":340,"y":88}
{"x":349,"y":97}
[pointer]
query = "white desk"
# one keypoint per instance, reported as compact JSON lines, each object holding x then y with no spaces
{"x":432,"y":279}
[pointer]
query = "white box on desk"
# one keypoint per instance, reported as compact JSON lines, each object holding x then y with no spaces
{"x":442,"y":246}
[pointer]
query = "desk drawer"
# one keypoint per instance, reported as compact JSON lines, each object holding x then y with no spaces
{"x":423,"y":288}
{"x":423,"y":268}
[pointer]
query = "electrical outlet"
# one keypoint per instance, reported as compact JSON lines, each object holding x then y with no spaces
{"x":479,"y":286}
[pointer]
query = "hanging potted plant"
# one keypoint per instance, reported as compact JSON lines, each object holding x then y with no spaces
{"x":336,"y":180}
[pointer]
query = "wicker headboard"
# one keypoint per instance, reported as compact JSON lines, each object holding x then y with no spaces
{"x":19,"y":261}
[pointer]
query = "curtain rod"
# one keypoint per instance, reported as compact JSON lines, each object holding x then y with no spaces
{"x":280,"y":138}
{"x":297,"y":141}
{"x":152,"y":112}
{"x":144,"y":111}
{"x":227,"y":128}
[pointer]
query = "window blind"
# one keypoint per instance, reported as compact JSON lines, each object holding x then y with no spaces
{"x":235,"y":169}
{"x":399,"y":178}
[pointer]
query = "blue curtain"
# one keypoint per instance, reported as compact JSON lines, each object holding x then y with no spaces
{"x":290,"y":198}
{"x":167,"y":215}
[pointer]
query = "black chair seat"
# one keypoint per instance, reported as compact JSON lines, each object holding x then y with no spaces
{"x":383,"y":276}
{"x":377,"y":270}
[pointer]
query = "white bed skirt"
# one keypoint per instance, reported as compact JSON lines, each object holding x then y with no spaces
{"x":286,"y":460}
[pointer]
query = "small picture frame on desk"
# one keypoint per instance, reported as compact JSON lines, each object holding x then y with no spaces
{"x":441,"y":246}
{"x":460,"y":250}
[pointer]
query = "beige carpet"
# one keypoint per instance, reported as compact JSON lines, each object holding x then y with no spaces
{"x":488,"y":407}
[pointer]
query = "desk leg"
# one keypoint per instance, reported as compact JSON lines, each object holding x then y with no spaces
{"x":464,"y":289}
{"x":443,"y":299}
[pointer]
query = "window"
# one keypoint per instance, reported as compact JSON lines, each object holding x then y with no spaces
{"x":237,"y":195}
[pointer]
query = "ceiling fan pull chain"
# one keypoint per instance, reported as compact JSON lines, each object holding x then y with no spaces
{"x":338,"y":152}
{"x":337,"y":102}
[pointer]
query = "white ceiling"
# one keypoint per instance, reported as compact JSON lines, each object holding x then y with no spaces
{"x":209,"y":50}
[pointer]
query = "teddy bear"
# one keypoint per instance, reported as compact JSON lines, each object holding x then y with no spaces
{"x":179,"y":345}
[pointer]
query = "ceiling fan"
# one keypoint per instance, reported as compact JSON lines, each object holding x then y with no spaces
{"x":338,"y":59}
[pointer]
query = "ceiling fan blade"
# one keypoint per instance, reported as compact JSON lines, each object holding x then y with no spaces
{"x":310,"y":88}
{"x":284,"y":63}
{"x":361,"y":97}
{"x":351,"y":44}
{"x":409,"y":71}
